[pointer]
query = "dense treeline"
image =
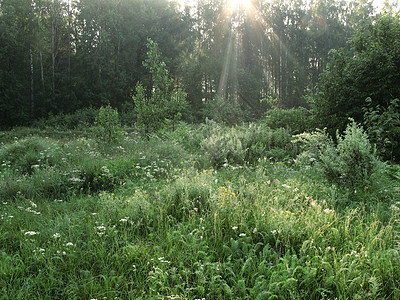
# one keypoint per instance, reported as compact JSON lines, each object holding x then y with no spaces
{"x":59,"y":56}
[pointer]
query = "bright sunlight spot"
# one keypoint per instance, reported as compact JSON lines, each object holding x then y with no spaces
{"x":235,"y":5}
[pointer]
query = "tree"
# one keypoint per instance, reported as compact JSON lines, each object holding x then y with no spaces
{"x":166,"y":102}
{"x":370,"y":69}
{"x":16,"y":62}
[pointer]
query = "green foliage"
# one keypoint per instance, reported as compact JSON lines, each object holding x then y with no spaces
{"x":135,"y":210}
{"x":297,"y":120}
{"x":225,"y":111}
{"x":351,"y":164}
{"x":240,"y":144}
{"x":370,"y":69}
{"x":37,"y":167}
{"x":107,"y":127}
{"x":168,"y":230}
{"x":311,"y":146}
{"x":223,"y":148}
{"x":356,"y":159}
{"x":29,"y":154}
{"x":188,"y":194}
{"x":383,"y":127}
{"x":94,"y":176}
{"x":80,"y":119}
{"x":167,"y":101}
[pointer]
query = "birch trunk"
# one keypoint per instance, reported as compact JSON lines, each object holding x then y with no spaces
{"x":53,"y":48}
{"x":40,"y":50}
{"x":32,"y":82}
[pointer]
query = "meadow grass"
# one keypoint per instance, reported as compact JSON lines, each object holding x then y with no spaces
{"x":155,"y":219}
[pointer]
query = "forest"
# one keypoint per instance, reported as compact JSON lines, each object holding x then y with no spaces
{"x":199,"y":149}
{"x":61,"y":56}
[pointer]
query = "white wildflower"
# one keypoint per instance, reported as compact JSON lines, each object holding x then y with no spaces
{"x":31,"y":233}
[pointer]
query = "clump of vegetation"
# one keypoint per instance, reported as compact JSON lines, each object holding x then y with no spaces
{"x":107,"y":126}
{"x":227,"y":111}
{"x":369,"y":69}
{"x":167,"y":101}
{"x":383,"y":127}
{"x":27,"y":155}
{"x":247,"y":144}
{"x":78,"y":120}
{"x":351,"y":164}
{"x":297,"y":120}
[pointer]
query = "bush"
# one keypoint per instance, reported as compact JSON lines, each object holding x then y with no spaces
{"x":261,"y":141}
{"x":297,"y":120}
{"x":80,"y":119}
{"x":107,"y":127}
{"x":133,"y":210}
{"x":25,"y":155}
{"x":383,"y":127}
{"x":189,"y":193}
{"x":95,"y":176}
{"x":311,"y":146}
{"x":226,"y":111}
{"x":370,"y":69}
{"x":350,"y":164}
{"x":225,"y":147}
{"x":237,"y":145}
{"x":167,"y":101}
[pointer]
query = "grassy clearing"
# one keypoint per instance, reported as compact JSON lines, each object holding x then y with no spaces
{"x":170,"y":218}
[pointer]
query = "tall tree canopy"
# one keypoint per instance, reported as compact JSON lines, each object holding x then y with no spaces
{"x":371,"y":68}
{"x":57,"y":56}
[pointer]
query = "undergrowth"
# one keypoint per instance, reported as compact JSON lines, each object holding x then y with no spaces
{"x":203,"y":212}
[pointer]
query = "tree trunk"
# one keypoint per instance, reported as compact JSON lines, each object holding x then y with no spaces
{"x":40,"y":50}
{"x":53,"y":46}
{"x":32,"y":82}
{"x":69,"y":49}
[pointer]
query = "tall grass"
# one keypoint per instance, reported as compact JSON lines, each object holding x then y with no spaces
{"x":157,"y":219}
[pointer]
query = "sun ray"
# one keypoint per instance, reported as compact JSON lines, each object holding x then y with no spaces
{"x":235,"y":5}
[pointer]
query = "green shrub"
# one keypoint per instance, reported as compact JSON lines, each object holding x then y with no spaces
{"x":80,"y":119}
{"x":131,"y":210}
{"x":226,"y":111}
{"x":356,"y":158}
{"x":95,"y":176}
{"x":383,"y":127}
{"x":167,"y":101}
{"x":189,"y":136}
{"x":310,"y":146}
{"x":350,"y":164}
{"x":297,"y":120}
{"x":188,"y":194}
{"x":241,"y":144}
{"x":24,"y":156}
{"x":262,"y":141}
{"x":107,"y":127}
{"x":225,"y":147}
{"x":151,"y":160}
